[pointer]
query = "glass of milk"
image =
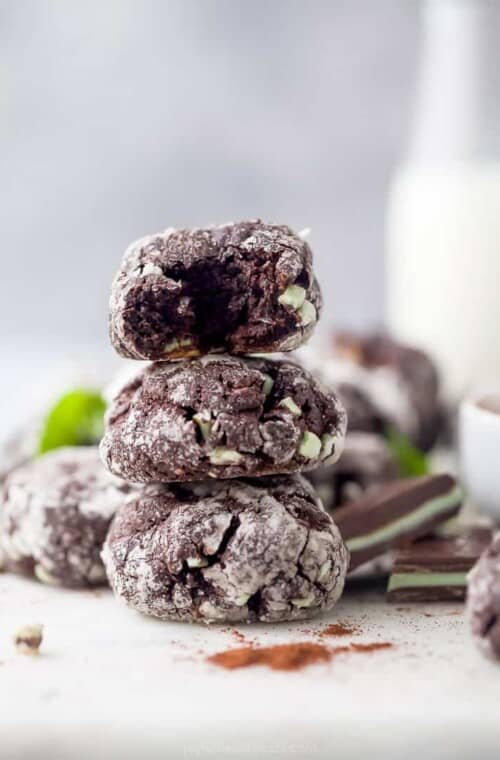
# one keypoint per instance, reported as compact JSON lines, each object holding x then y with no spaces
{"x":443,"y":221}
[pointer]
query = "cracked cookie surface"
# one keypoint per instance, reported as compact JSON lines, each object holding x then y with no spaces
{"x":242,"y":288}
{"x":55,"y":514}
{"x":221,"y":417}
{"x":230,"y":551}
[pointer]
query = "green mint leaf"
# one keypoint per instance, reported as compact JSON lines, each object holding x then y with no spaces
{"x":75,"y":420}
{"x":411,"y":461}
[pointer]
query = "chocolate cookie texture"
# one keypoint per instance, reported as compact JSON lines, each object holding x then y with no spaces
{"x":234,"y":551}
{"x":55,"y":515}
{"x":242,"y":288}
{"x":221,"y":417}
{"x":483,"y":600}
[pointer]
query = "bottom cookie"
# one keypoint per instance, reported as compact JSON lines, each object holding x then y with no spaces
{"x":226,"y":551}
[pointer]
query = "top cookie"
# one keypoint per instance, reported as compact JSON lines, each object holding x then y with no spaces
{"x":239,"y":288}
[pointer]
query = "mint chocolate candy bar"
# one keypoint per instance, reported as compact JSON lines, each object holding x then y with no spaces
{"x":396,"y":513}
{"x":435,"y":569}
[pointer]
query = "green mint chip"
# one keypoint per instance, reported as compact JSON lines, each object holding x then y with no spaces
{"x":77,"y":419}
{"x":411,"y":461}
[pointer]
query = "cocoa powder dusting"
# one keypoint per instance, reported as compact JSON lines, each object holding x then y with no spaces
{"x":279,"y":657}
{"x":288,"y":656}
{"x":374,"y":647}
{"x":240,"y":637}
{"x":338,"y":629}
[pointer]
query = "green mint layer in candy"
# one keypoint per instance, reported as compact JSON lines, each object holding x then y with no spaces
{"x":77,"y":419}
{"x":426,"y":580}
{"x":408,"y":522}
{"x":411,"y":461}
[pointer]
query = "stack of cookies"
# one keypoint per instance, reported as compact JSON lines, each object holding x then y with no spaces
{"x":222,"y":528}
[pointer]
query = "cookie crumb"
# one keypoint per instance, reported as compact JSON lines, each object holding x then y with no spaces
{"x":28,"y":639}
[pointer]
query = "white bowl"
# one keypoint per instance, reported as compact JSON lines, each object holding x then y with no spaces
{"x":479,"y":444}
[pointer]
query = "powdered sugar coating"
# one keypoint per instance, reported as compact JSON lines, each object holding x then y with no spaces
{"x":234,"y":551}
{"x":483,"y":600}
{"x":55,"y":515}
{"x":221,"y":417}
{"x":189,"y":292}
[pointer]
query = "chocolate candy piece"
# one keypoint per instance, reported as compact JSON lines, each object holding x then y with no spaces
{"x":483,"y":600}
{"x":242,"y":288}
{"x":221,"y":417}
{"x":226,"y":551}
{"x":395,"y":513}
{"x":55,"y":516}
{"x":435,"y":568}
{"x":365,"y":461}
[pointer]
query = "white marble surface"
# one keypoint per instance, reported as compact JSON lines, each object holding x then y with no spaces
{"x":112,"y":684}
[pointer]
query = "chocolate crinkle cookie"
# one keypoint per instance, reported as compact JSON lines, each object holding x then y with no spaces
{"x":363,"y":415}
{"x":55,"y":514}
{"x":382,"y":383}
{"x":233,"y":551}
{"x":242,"y":288}
{"x":483,"y":600}
{"x":221,"y":417}
{"x":409,"y":374}
{"x":366,"y":461}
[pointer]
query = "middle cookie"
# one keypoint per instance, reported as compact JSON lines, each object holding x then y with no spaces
{"x":221,"y":417}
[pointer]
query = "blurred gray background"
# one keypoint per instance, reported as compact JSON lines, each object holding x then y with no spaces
{"x":124,"y":117}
